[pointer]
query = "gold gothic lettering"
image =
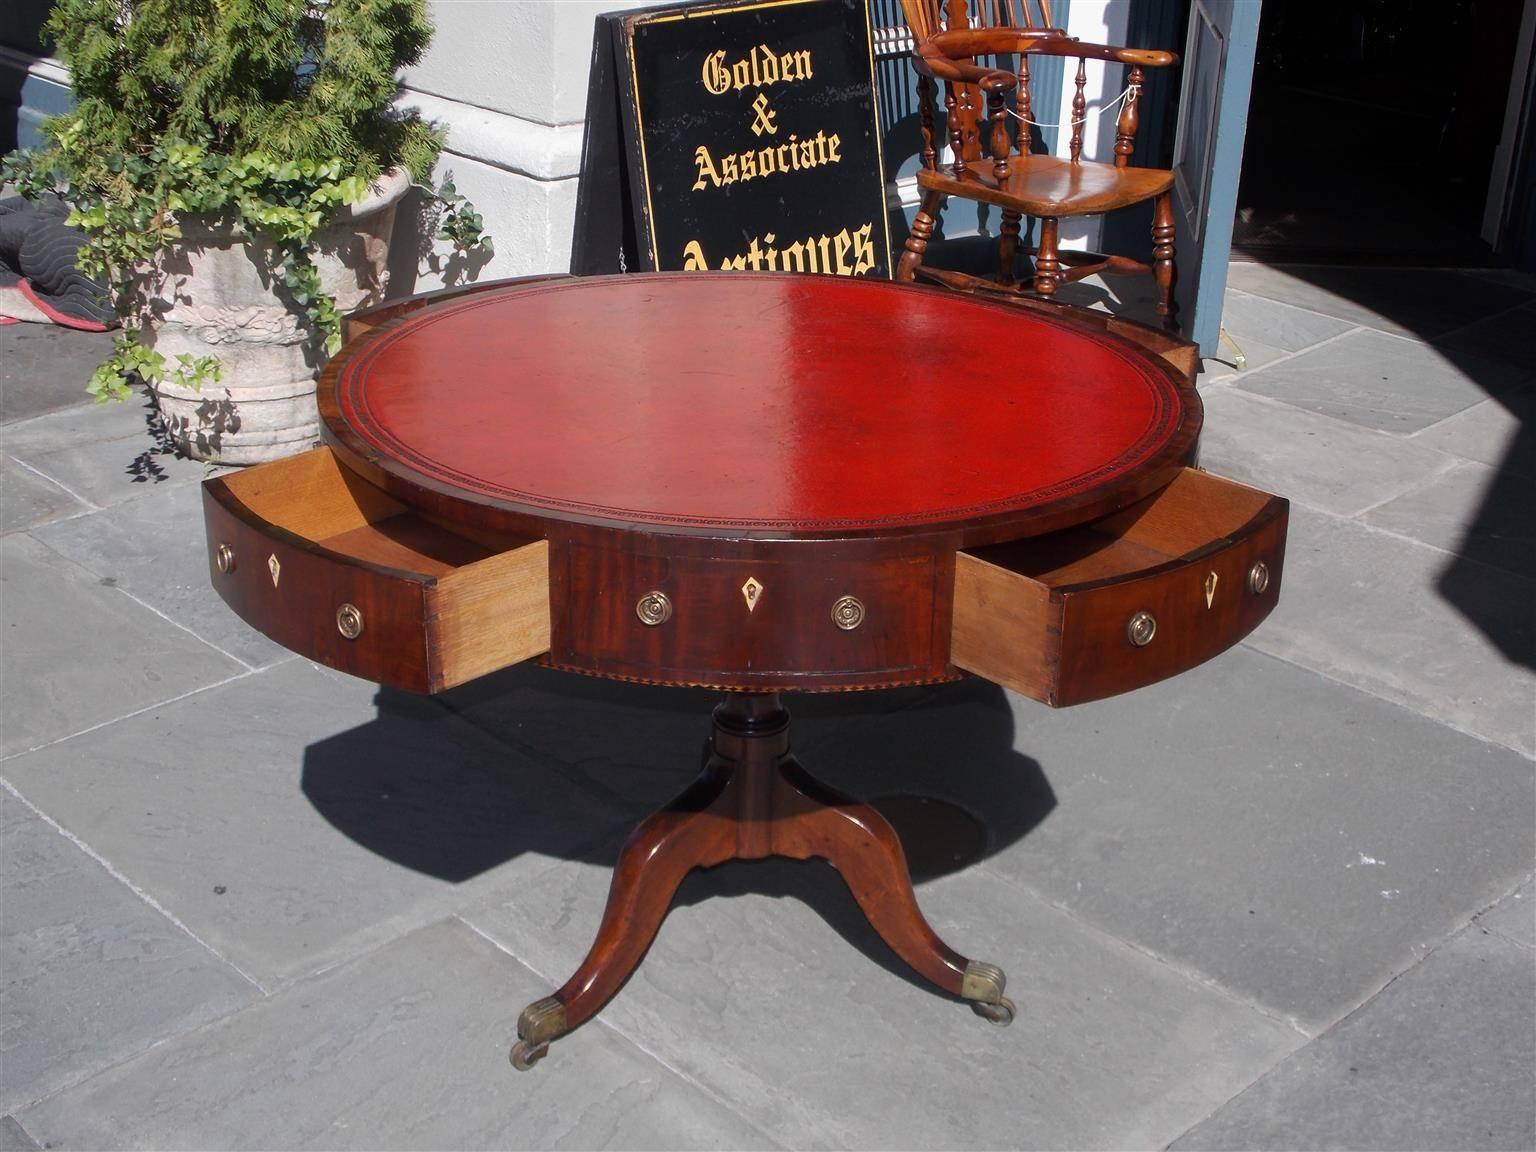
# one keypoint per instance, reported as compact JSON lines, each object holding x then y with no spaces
{"x":757,"y":69}
{"x":845,"y":254}
{"x":795,"y":155}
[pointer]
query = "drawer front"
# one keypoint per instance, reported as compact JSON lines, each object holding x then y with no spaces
{"x":292,"y":590}
{"x":841,"y":620}
{"x":1185,"y":612}
{"x":1144,"y":594}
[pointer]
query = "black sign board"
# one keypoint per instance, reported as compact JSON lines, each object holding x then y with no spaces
{"x":750,"y":141}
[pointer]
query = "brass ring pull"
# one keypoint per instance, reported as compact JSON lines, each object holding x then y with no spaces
{"x":1141,"y":628}
{"x":1258,"y":578}
{"x":224,"y":558}
{"x":848,"y":613}
{"x":349,"y":621}
{"x":654,"y":608}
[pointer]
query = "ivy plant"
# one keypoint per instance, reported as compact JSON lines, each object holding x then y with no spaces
{"x":266,"y":116}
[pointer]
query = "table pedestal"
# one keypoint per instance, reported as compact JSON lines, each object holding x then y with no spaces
{"x":753,"y":800}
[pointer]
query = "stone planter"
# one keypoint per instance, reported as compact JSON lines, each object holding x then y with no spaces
{"x":220,"y":298}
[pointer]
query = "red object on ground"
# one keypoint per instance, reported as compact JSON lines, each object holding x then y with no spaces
{"x":63,"y":319}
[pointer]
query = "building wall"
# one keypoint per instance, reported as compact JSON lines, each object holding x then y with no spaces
{"x":508,"y":80}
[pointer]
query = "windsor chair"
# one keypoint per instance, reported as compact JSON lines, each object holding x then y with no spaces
{"x":993,"y":150}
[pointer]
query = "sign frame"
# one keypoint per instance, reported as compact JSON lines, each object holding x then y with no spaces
{"x":633,"y":111}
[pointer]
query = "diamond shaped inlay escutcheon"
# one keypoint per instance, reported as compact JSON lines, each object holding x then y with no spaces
{"x":752,"y":592}
{"x":274,"y":567}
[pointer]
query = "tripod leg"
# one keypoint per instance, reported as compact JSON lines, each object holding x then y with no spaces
{"x":864,"y":848}
{"x":668,"y":845}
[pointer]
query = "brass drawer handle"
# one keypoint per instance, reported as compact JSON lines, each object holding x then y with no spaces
{"x":1141,"y":629}
{"x":654,"y":608}
{"x":224,"y":558}
{"x":349,"y":621}
{"x":1258,"y":578}
{"x":848,"y":613}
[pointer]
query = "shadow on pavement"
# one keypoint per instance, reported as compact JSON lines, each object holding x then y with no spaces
{"x":1441,"y":306}
{"x":457,"y":818}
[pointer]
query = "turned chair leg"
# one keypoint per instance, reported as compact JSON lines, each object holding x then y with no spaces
{"x":1163,"y":232}
{"x":1047,"y":258}
{"x":917,"y":239}
{"x":1007,"y":247}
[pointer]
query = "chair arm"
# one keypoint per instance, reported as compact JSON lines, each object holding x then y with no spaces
{"x":968,"y":42}
{"x":932,"y":63}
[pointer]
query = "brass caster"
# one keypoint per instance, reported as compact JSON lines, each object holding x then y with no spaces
{"x":1001,"y":1013}
{"x":524,"y":1057}
{"x":541,"y":1022}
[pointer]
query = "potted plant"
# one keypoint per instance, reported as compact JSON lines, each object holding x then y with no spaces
{"x":235,"y":165}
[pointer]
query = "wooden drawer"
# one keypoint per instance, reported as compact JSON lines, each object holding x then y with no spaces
{"x":1052,"y":616}
{"x":335,"y":569}
{"x":789,"y":638}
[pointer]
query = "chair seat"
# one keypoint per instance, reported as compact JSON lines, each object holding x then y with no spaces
{"x":1046,"y":186}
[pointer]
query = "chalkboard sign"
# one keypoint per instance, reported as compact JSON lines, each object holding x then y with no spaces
{"x":751,"y":140}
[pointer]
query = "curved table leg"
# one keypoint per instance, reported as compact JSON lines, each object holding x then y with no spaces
{"x":861,"y":844}
{"x":658,"y":855}
{"x":753,"y":800}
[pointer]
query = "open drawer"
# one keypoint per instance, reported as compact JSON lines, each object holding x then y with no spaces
{"x":1125,"y":601}
{"x":336,"y":569}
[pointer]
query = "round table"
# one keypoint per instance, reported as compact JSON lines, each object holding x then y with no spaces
{"x":758,"y":483}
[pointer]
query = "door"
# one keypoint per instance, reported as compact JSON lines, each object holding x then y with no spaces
{"x":1208,"y":156}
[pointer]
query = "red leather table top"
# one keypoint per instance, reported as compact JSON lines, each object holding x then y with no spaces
{"x":742,"y":404}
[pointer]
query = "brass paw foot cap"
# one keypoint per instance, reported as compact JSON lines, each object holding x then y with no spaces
{"x":541,"y":1022}
{"x":983,"y":982}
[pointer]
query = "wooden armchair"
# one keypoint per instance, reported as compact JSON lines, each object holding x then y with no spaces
{"x":973,"y":63}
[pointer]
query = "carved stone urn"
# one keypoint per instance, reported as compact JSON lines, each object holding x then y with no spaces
{"x":221,"y":296}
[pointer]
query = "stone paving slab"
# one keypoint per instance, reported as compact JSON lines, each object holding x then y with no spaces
{"x":103,"y":453}
{"x":1294,"y":840}
{"x":1506,"y":336}
{"x":638,"y":743}
{"x":1500,"y":432}
{"x":44,"y":368}
{"x":1407,"y":301}
{"x":403,"y":1048}
{"x":1308,"y":458}
{"x":298,"y":816}
{"x":27,"y":498}
{"x":14,"y":1138}
{"x":767,"y":987}
{"x":1441,"y":1059}
{"x":93,"y":974}
{"x":1222,"y":367}
{"x":1514,"y":917}
{"x":1134,"y":297}
{"x":1284,"y":326}
{"x":154,"y":550}
{"x":1378,"y":381}
{"x":74,"y":426}
{"x":1450,"y":639}
{"x":1472,"y":510}
{"x":1509,"y":277}
{"x":76,"y":653}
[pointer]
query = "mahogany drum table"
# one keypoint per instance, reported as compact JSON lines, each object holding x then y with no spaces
{"x":761,"y":484}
